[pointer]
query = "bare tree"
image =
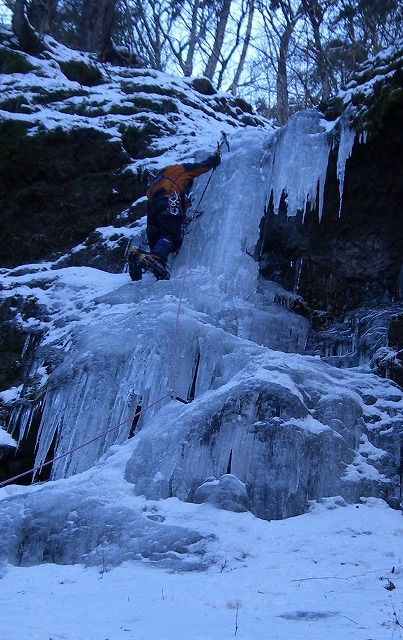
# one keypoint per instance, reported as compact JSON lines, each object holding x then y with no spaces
{"x":315,"y":12}
{"x":187,"y":31}
{"x":29,"y":39}
{"x":242,"y":58}
{"x":222,"y":20}
{"x":280,"y":18}
{"x":145,"y":19}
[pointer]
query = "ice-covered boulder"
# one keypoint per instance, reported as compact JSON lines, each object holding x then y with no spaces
{"x":293,"y":430}
{"x":227,"y":492}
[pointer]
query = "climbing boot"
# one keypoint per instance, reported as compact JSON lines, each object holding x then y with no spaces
{"x":156,"y":265}
{"x":148,"y":262}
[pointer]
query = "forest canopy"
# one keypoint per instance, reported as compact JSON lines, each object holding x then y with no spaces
{"x":281,"y":55}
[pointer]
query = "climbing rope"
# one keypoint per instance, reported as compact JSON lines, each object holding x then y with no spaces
{"x":39,"y":467}
{"x":176,"y":330}
{"x":170,"y":394}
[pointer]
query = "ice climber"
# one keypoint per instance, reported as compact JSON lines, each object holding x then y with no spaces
{"x":167,"y":203}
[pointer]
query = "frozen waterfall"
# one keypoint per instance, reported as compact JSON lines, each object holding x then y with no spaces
{"x":294,"y":428}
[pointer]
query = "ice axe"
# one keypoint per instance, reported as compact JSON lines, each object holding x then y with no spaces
{"x":220,"y":143}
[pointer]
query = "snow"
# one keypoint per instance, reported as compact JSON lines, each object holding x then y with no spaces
{"x":5,"y":438}
{"x":335,"y":572}
{"x":107,"y":550}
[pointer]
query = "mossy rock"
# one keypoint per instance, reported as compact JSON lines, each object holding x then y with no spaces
{"x":49,"y":97}
{"x":82,"y":72}
{"x":130,"y":88}
{"x":333,"y":109}
{"x":86,"y":108}
{"x":16,"y":104}
{"x":137,"y":141}
{"x":124,"y":109}
{"x":244,"y":106}
{"x":55,"y":187}
{"x":389,"y":101}
{"x":161,"y":107}
{"x":204,"y":86}
{"x":14,"y":62}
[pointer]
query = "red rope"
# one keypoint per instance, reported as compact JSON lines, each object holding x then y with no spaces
{"x":138,"y":413}
{"x":84,"y":444}
{"x":176,"y":331}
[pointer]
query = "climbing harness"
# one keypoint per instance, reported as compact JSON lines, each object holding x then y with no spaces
{"x":170,"y":394}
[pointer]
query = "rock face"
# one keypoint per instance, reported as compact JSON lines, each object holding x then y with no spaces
{"x":350,"y":259}
{"x":289,"y":428}
{"x":60,"y":186}
{"x":347,"y":266}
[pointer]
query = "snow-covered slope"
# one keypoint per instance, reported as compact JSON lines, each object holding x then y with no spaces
{"x":266,"y":428}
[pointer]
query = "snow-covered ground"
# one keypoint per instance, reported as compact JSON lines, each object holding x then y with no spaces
{"x":336,"y":572}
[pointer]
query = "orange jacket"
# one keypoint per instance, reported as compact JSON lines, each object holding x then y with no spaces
{"x":179,"y":177}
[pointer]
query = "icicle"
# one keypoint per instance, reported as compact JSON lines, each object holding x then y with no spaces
{"x":298,"y":156}
{"x":347,"y":137}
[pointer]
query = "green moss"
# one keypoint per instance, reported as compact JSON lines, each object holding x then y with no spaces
{"x":137,"y":141}
{"x":131,"y":88}
{"x":333,"y":109}
{"x":139,"y":104}
{"x":85,"y":108}
{"x":82,"y":72}
{"x":243,"y":105}
{"x":389,"y":102}
{"x":155,"y":128}
{"x":48,"y":97}
{"x":124,"y":110}
{"x":358,"y":98}
{"x":162,"y":106}
{"x":249,"y":121}
{"x":13,"y":62}
{"x":16,"y":104}
{"x":204,"y":86}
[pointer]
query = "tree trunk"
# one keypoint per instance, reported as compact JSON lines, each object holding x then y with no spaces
{"x":28,"y":38}
{"x":315,"y":17}
{"x":188,"y":66}
{"x":218,"y":40}
{"x":41,"y":14}
{"x":107,"y":50}
{"x":282,"y":80}
{"x":291,"y":19}
{"x":92,"y":17}
{"x":234,"y":86}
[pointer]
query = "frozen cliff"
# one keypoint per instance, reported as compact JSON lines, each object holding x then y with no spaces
{"x":174,"y":388}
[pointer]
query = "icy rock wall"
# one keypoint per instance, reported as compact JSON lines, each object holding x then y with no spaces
{"x":293,"y":430}
{"x":197,"y":334}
